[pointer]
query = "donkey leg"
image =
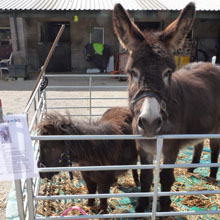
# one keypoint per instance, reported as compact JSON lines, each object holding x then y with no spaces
{"x":91,"y":186}
{"x":104,"y":188}
{"x":167,"y":178}
{"x":146,"y":179}
{"x":196,"y":156}
{"x":135,"y":177}
{"x":215,"y":147}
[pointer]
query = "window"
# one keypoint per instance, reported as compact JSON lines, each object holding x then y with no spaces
{"x":97,"y":35}
{"x":5,"y":35}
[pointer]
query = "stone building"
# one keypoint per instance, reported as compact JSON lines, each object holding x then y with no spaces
{"x":29,"y":28}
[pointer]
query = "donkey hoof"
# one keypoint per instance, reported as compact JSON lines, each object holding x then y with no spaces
{"x":142,"y":204}
{"x":190,"y":170}
{"x":103,"y":211}
{"x":139,"y":208}
{"x":137,"y":183}
{"x":91,"y":202}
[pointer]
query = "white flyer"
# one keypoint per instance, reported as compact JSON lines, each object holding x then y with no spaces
{"x":16,"y":153}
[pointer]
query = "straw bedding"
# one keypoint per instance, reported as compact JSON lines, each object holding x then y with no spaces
{"x":61,"y":184}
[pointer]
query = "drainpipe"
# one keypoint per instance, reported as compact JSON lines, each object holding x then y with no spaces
{"x":16,"y":31}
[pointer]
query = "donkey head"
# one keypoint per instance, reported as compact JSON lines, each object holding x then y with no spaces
{"x":150,"y":65}
{"x":52,"y":154}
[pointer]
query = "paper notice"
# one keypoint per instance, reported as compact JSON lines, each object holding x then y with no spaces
{"x":16,"y":153}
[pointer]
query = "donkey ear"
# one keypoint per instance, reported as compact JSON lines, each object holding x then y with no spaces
{"x":175,"y":34}
{"x":127,"y":32}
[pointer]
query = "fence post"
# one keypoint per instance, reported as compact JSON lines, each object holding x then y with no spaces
{"x":19,"y":198}
{"x":90,"y":99}
{"x":30,"y":199}
{"x":156,"y":177}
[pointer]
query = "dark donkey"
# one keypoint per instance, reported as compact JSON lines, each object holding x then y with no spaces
{"x":164,"y":101}
{"x":115,"y":121}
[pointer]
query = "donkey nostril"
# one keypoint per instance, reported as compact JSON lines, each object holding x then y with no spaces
{"x":142,"y":122}
{"x":158,"y":122}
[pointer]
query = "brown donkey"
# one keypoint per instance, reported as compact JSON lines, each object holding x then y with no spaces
{"x":164,"y":101}
{"x":115,"y":121}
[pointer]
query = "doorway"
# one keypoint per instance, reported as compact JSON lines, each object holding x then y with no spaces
{"x":61,"y":58}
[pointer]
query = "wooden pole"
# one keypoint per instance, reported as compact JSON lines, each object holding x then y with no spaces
{"x":48,"y":58}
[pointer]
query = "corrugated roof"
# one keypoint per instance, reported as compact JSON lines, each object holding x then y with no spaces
{"x":201,"y":5}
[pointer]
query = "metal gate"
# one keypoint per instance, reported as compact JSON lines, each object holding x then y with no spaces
{"x":27,"y":191}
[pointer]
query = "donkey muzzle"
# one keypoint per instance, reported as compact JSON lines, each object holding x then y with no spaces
{"x":149,"y":128}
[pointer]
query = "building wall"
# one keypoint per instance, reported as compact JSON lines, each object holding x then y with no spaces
{"x":19,"y":40}
{"x":4,"y":22}
{"x":206,"y":28}
{"x":80,"y":33}
{"x":79,"y":37}
{"x":32,"y":42}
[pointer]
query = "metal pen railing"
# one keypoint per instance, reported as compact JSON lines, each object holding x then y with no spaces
{"x":40,"y":104}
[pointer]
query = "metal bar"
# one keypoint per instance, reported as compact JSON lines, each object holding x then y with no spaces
{"x":166,"y":166}
{"x":33,"y":96}
{"x":19,"y":198}
{"x":86,"y":87}
{"x":30,"y":199}
{"x":83,"y":115}
{"x":190,"y":136}
{"x":87,"y":196}
{"x":55,"y":99}
{"x":82,"y":75}
{"x":79,"y":107}
{"x":36,"y":191}
{"x":130,"y":215}
{"x":35,"y":108}
{"x":129,"y":195}
{"x":26,"y":207}
{"x":90,"y":100}
{"x":45,"y":99}
{"x":95,"y":168}
{"x":156,"y":177}
{"x":42,"y":112}
{"x":124,"y":167}
{"x":121,"y":137}
{"x":37,"y":187}
{"x":109,"y":216}
{"x":36,"y":112}
{"x":88,"y":137}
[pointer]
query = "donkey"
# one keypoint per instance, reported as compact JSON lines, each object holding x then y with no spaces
{"x":163,"y":101}
{"x":115,"y":121}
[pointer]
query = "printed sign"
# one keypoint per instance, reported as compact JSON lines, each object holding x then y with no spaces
{"x":16,"y":153}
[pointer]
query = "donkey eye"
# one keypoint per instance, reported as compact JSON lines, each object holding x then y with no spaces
{"x":133,"y":73}
{"x":167,"y":73}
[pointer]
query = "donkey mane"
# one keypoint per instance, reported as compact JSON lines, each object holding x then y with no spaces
{"x":84,"y":151}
